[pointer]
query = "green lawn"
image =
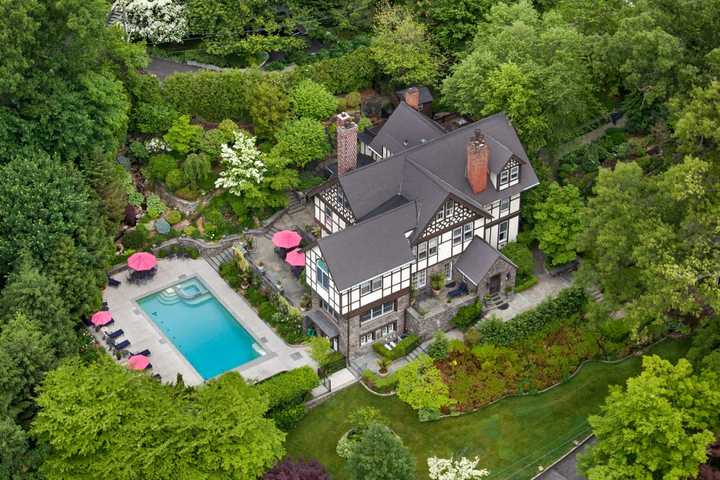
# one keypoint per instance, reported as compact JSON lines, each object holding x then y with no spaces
{"x":512,"y":437}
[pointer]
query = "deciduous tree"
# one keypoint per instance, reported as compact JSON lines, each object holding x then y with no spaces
{"x":380,"y":455}
{"x":559,"y":223}
{"x":302,"y":141}
{"x":312,"y":100}
{"x":421,"y":387}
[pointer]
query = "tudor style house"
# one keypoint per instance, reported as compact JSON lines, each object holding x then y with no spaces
{"x":425,"y":201}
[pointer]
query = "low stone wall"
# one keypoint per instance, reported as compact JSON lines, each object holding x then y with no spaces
{"x":426,"y":325}
{"x":187,"y":207}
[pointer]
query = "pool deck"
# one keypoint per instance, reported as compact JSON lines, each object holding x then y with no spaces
{"x":165,"y":358}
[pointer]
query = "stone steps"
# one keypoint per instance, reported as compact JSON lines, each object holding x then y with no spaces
{"x":270,"y":231}
{"x":216,"y":260}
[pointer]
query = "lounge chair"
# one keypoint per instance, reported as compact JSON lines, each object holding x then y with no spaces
{"x":145,"y":352}
{"x":115,"y":334}
{"x":157,"y":377}
{"x":122,"y":345}
{"x":113,"y":283}
{"x":458,"y":292}
{"x":105,"y":307}
{"x":149,"y":366}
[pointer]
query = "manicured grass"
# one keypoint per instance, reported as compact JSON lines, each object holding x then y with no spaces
{"x":512,"y":437}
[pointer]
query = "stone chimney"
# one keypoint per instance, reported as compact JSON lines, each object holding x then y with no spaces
{"x":478,"y":156}
{"x":347,"y":132}
{"x":412,"y":97}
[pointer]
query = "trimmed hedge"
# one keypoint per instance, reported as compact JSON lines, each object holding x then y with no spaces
{"x":288,"y":418}
{"x":404,"y":346}
{"x":569,"y":302}
{"x":530,"y":282}
{"x":216,"y":96}
{"x":288,"y":388}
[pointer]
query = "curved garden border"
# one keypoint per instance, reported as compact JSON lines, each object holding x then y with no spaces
{"x":563,"y":381}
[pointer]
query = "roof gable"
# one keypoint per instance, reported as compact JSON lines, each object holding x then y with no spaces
{"x":406,"y":128}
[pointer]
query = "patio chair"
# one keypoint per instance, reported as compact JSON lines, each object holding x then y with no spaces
{"x":104,"y":307}
{"x":98,"y":327}
{"x":122,"y":345}
{"x":112,"y":282}
{"x":145,"y":352}
{"x":157,"y":377}
{"x":458,"y":292}
{"x":149,"y":367}
{"x":115,"y":334}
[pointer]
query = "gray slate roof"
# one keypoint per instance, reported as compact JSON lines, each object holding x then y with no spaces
{"x":406,"y":128}
{"x":369,"y":248}
{"x":475,"y":261}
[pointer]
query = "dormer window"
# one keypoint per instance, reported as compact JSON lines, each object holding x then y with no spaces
{"x":504,"y":177}
{"x":514,"y":173}
{"x":449,"y":208}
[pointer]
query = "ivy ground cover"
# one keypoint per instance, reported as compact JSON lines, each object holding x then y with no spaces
{"x":511,"y":437}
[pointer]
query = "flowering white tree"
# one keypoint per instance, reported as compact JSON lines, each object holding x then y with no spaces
{"x":452,"y":469}
{"x":244,"y":167}
{"x":157,"y":21}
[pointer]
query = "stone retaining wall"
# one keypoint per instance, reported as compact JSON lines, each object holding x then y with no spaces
{"x":426,"y":325}
{"x":187,"y":207}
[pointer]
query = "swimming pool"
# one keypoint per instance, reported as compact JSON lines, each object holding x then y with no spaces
{"x":200,"y":327}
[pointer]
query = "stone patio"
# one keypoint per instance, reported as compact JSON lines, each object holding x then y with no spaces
{"x":547,"y":286}
{"x":166,"y":360}
{"x":273,"y":266}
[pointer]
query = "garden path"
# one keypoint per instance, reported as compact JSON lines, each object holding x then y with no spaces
{"x":547,"y":286}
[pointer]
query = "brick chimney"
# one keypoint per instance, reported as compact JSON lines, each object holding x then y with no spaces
{"x":412,"y":97}
{"x":478,"y":156}
{"x":347,"y":132}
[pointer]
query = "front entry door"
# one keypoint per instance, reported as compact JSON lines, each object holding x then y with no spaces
{"x":494,"y":284}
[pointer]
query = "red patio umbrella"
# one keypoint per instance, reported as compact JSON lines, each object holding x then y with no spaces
{"x":286,"y":239}
{"x":138,"y":362}
{"x":101,"y":318}
{"x":296,"y":258}
{"x":142,"y":261}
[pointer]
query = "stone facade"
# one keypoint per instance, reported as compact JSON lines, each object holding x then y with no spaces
{"x":426,"y":325}
{"x":505,"y":270}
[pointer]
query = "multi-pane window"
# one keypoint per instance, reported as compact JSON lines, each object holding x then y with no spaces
{"x":504,"y":206}
{"x":432,"y":246}
{"x":504,"y":177}
{"x":326,"y":306}
{"x":503,"y":232}
{"x":420,"y":279}
{"x":449,"y":208}
{"x":378,"y":311}
{"x":371,"y":286}
{"x":321,"y":271}
{"x":514,"y":173}
{"x":366,"y":338}
{"x":328,"y":217}
{"x":440,"y":214}
{"x":467,"y":231}
{"x":385,"y":330}
{"x":448,"y":270}
{"x":457,"y":236}
{"x":422,"y":251}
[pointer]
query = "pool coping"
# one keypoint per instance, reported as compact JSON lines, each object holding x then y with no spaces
{"x":138,"y":310}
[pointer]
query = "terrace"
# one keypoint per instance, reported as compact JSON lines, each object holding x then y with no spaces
{"x":167,"y":360}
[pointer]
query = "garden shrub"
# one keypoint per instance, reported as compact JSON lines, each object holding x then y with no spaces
{"x":350,"y":72}
{"x":522,"y":257}
{"x":528,"y":283}
{"x":288,"y":418}
{"x":334,"y":362}
{"x":175,"y":179}
{"x":311,"y":100}
{"x":567,"y":303}
{"x":421,"y":386}
{"x":231,"y":273}
{"x":352,"y":100}
{"x":159,"y":166}
{"x":290,"y":469}
{"x":197,"y":169}
{"x":468,"y":315}
{"x":187,"y":193}
{"x":364,"y":123}
{"x":138,"y":150}
{"x":439,"y":347}
{"x":404,"y":346}
{"x":173,"y":217}
{"x":302,"y":141}
{"x":137,"y":238}
{"x":155,"y":206}
{"x":184,"y":137}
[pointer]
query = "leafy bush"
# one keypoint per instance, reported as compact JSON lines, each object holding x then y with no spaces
{"x":288,"y":388}
{"x":137,"y":238}
{"x":352,"y":100}
{"x":173,"y":217}
{"x":364,"y":123}
{"x":528,"y":283}
{"x":404,"y":346}
{"x":297,"y":470}
{"x":439,"y":347}
{"x":197,"y":169}
{"x":302,"y":141}
{"x":567,"y":303}
{"x":345,"y":446}
{"x":312,"y":100}
{"x":184,"y":137}
{"x":523,"y":258}
{"x":288,"y":418}
{"x":138,"y":150}
{"x":175,"y":179}
{"x":421,"y":386}
{"x":155,"y":206}
{"x":334,"y":362}
{"x":468,"y":315}
{"x":351,"y":72}
{"x":159,"y":166}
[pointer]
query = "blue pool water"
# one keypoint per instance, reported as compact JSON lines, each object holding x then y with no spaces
{"x":200,"y":327}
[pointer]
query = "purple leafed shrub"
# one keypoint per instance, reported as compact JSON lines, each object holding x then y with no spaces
{"x":300,"y":469}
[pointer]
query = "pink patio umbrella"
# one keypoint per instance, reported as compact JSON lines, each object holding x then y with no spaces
{"x":138,"y":362}
{"x":286,"y":239}
{"x":101,"y":318}
{"x":296,"y":258}
{"x":142,"y":261}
